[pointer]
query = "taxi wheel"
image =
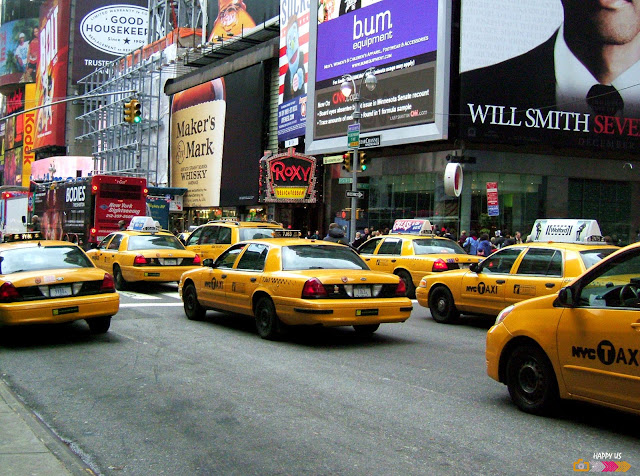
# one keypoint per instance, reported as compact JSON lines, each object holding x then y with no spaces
{"x":531,"y":380}
{"x":99,"y":325}
{"x":367,"y":329}
{"x":442,"y":307}
{"x":121,"y":284}
{"x":408,"y":282}
{"x":267,"y":322}
{"x":192,"y":308}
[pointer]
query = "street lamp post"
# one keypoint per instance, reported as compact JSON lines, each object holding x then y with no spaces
{"x":351,"y":92}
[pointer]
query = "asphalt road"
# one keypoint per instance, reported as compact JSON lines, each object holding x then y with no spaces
{"x":162,"y":395}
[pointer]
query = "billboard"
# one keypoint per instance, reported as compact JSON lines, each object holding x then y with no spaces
{"x":293,"y":67}
{"x":409,"y":58}
{"x":105,"y":31}
{"x":51,"y":76}
{"x":541,"y":72}
{"x":19,"y":47}
{"x":233,"y":17}
{"x":216,"y":139}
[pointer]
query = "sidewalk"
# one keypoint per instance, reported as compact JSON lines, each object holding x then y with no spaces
{"x":28,"y":447}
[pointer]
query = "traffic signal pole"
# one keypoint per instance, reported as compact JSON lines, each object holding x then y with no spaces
{"x":354,"y":170}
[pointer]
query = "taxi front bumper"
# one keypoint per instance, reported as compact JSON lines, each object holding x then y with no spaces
{"x":343,"y":312}
{"x":54,"y":311}
{"x":497,"y":339}
{"x":154,"y":273}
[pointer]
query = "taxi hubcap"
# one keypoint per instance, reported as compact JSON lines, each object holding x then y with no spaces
{"x":530,"y":377}
{"x":442,"y":305}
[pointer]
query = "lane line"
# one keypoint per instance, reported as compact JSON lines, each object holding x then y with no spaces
{"x":151,"y":304}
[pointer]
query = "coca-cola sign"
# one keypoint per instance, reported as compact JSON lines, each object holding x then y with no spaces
{"x":288,"y":177}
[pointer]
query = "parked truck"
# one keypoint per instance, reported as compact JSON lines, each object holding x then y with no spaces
{"x":14,"y":210}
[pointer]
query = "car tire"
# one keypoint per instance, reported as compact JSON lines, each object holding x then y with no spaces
{"x":267,"y":322}
{"x":192,"y":308}
{"x":442,"y":306}
{"x":119,"y":280}
{"x":531,"y":380}
{"x":408,"y":282}
{"x":366,"y":329}
{"x":99,"y":325}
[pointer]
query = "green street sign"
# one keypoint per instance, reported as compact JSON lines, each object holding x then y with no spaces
{"x":353,"y":135}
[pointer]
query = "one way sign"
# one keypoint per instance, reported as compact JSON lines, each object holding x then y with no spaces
{"x":352,"y":194}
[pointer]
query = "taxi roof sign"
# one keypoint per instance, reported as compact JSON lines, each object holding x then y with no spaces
{"x":286,"y":233}
{"x":144,"y":224}
{"x":413,"y":226}
{"x":32,"y":235}
{"x":566,"y":230}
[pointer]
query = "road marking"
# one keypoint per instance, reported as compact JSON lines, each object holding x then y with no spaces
{"x":135,"y":295}
{"x":173,"y":295}
{"x":149,"y":304}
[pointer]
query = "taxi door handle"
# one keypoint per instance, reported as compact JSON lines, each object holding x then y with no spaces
{"x":223,"y":276}
{"x":253,"y":280}
{"x":500,"y":281}
{"x":635,"y":325}
{"x":367,"y":259}
{"x":549,"y":285}
{"x":393,"y":260}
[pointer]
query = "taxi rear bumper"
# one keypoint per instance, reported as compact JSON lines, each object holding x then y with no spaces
{"x":154,"y":273}
{"x":343,"y":312}
{"x":53,"y":311}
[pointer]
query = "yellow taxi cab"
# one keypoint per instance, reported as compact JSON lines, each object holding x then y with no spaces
{"x":515,"y":273}
{"x":211,"y":239}
{"x":143,"y":253}
{"x":411,"y":250}
{"x":50,"y":282}
{"x":293,"y":281}
{"x":582,"y":343}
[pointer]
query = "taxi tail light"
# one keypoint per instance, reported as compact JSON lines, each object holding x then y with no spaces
{"x":440,"y":265}
{"x":197,"y":260}
{"x":107,"y":283}
{"x":139,"y":260}
{"x":401,"y":289}
{"x":313,"y":288}
{"x":9,"y":293}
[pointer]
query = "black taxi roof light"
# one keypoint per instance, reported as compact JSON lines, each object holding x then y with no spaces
{"x":30,"y":236}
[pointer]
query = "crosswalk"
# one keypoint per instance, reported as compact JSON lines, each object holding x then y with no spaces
{"x":140,"y":299}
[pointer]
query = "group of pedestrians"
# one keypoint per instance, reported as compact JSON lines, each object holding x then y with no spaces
{"x":483,"y":246}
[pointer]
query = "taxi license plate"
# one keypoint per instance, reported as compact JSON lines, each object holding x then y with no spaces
{"x":170,"y":261}
{"x":361,"y":291}
{"x":60,"y":291}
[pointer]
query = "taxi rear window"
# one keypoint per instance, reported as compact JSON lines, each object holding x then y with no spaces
{"x":255,"y":233}
{"x":42,"y":258}
{"x":153,"y":242}
{"x":591,"y":257}
{"x":320,"y":257}
{"x":430,"y":246}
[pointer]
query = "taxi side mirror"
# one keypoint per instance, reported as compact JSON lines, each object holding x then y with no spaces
{"x":475,"y":267}
{"x":566,"y":297}
{"x":208,"y":262}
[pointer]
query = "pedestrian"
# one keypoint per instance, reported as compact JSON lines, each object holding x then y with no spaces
{"x":35,"y":223}
{"x":471,"y":243}
{"x":336,"y":234}
{"x":484,"y":245}
{"x":367,"y":234}
{"x":518,"y":238}
{"x":316,"y":235}
{"x":463,"y":237}
{"x":359,"y":240}
{"x":122,"y":225}
{"x":499,"y":239}
{"x":508,"y":240}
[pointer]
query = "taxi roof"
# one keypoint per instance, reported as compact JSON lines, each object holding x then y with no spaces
{"x":292,"y":241}
{"x":267,"y":224}
{"x":34,"y":243}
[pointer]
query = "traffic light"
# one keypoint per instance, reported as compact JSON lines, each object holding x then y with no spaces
{"x":362,"y":157}
{"x":136,"y":111}
{"x":128,"y":112}
{"x":347,"y":161}
{"x":132,"y":112}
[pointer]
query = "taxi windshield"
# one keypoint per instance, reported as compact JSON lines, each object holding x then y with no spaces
{"x":300,"y":257}
{"x":154,"y":242}
{"x":255,"y":233}
{"x":591,"y":257}
{"x":428,"y":246}
{"x":42,"y":258}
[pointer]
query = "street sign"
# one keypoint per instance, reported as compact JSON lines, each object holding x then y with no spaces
{"x":332,"y":159}
{"x":370,"y":141}
{"x":353,"y":135}
{"x":352,"y":194}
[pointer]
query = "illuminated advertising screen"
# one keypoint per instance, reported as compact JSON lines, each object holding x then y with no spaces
{"x":19,"y":47}
{"x":232,"y":17}
{"x":550,"y":72}
{"x":409,"y":58}
{"x":106,"y":30}
{"x":51,"y":77}
{"x":293,"y":67}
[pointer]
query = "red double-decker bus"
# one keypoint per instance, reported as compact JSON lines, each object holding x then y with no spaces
{"x":86,"y":210}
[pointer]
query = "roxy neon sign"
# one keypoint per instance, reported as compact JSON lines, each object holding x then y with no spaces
{"x":282,"y":172}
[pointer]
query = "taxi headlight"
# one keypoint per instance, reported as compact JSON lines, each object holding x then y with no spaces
{"x":504,"y":313}
{"x":423,"y":283}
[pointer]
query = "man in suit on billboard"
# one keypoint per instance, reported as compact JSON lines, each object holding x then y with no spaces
{"x":597,"y":47}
